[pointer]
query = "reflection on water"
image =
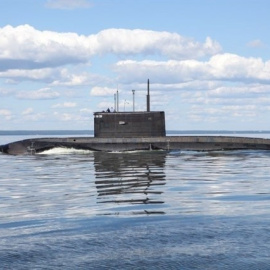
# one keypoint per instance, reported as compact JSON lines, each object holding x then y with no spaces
{"x":71,"y":184}
{"x":130,"y":179}
{"x":183,"y":210}
{"x":190,"y":183}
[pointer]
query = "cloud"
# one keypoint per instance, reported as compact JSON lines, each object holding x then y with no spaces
{"x":86,"y":111}
{"x":6,"y":92}
{"x":69,"y":79}
{"x":29,"y":115}
{"x":35,"y":117}
{"x":102,"y":91}
{"x":220,"y":67}
{"x":68,"y":4}
{"x":240,"y":91}
{"x":215,"y":114}
{"x":24,"y":47}
{"x":6,"y":114}
{"x":256,"y":43}
{"x":239,"y":94}
{"x":27,"y":111}
{"x":137,"y":41}
{"x":234,"y":67}
{"x":44,"y":93}
{"x":54,"y":76}
{"x":67,"y":117}
{"x":65,"y":105}
{"x":44,"y":74}
{"x":104,"y":105}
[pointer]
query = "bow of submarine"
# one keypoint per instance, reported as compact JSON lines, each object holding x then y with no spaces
{"x":28,"y":146}
{"x":4,"y":149}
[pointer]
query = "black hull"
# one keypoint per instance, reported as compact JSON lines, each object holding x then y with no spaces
{"x":168,"y":143}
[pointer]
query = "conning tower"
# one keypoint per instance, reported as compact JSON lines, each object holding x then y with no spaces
{"x":130,"y":124}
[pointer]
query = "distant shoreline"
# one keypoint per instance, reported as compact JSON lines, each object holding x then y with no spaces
{"x":46,"y":132}
{"x":91,"y":132}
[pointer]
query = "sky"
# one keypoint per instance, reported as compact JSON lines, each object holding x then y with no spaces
{"x":208,"y":62}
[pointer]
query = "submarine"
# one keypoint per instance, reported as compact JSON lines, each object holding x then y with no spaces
{"x":131,"y":131}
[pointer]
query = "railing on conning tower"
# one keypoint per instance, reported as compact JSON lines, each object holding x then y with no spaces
{"x":116,"y":99}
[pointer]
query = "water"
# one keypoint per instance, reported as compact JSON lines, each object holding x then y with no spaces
{"x":71,"y":209}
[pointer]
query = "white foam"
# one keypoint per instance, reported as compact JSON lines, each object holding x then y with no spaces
{"x":137,"y":151}
{"x":65,"y":151}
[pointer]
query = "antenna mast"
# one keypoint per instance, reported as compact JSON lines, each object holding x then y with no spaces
{"x":117,"y":100}
{"x":148,"y":97}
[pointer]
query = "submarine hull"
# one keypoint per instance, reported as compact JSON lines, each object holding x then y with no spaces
{"x":168,"y":143}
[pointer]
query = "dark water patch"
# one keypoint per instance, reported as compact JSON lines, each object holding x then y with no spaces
{"x":247,"y":198}
{"x":146,"y":243}
{"x":20,"y":224}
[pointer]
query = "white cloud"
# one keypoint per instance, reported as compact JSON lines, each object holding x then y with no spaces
{"x":67,"y":117}
{"x":231,"y":66}
{"x":68,"y":4}
{"x":227,"y":67}
{"x":6,"y":92}
{"x":27,"y":111}
{"x":215,"y":114}
{"x":256,"y":43}
{"x":72,"y":80}
{"x":66,"y":78}
{"x":226,"y":95}
{"x":102,"y":91}
{"x":24,"y":47}
{"x":18,"y":75}
{"x":138,"y":41}
{"x":45,"y":93}
{"x":54,"y":76}
{"x":64,"y":116}
{"x":242,"y":91}
{"x":86,"y":111}
{"x":104,"y":105}
{"x":6,"y":114}
{"x":35,"y":117}
{"x":65,"y":105}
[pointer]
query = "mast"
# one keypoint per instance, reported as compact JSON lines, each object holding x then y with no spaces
{"x":148,"y":97}
{"x":133,"y":93}
{"x":117,"y":100}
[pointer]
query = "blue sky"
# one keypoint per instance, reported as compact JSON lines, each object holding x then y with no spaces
{"x":207,"y":60}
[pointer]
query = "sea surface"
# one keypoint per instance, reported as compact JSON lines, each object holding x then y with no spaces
{"x":75,"y":209}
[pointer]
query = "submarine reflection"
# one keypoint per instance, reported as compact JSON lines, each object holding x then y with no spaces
{"x":130,"y":183}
